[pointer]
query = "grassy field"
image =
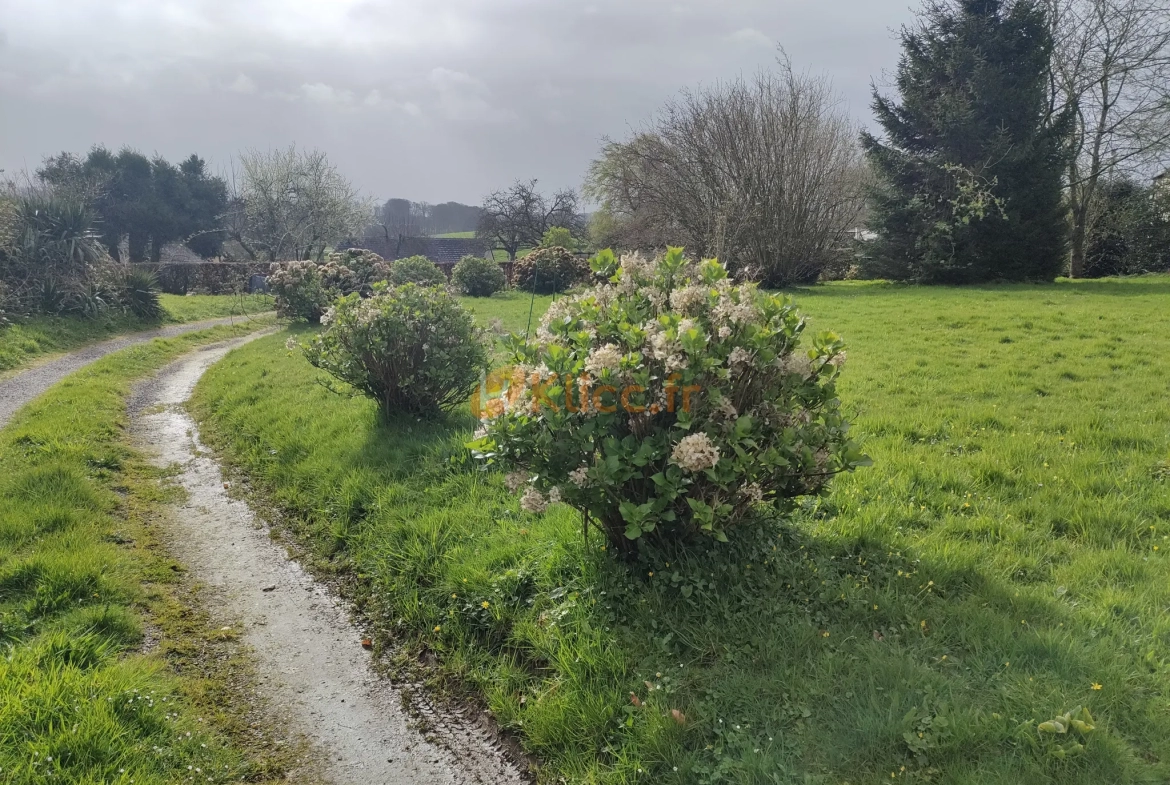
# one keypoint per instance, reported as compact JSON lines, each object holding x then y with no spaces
{"x":1004,"y":562}
{"x":81,"y":574}
{"x":26,"y":339}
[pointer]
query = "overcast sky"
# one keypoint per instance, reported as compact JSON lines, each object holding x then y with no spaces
{"x":431,"y":100}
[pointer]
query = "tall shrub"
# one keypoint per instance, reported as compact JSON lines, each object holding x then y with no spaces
{"x":478,"y":277}
{"x":414,"y":349}
{"x":548,"y":270}
{"x":971,"y":161}
{"x":669,"y":401}
{"x":416,"y":269}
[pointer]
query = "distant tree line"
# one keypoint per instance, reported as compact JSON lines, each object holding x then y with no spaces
{"x":143,"y":203}
{"x":1020,"y":146}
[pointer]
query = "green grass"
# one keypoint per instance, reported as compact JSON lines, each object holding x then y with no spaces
{"x":1004,"y":561}
{"x":26,"y":339}
{"x":79,"y":569}
{"x":197,"y":307}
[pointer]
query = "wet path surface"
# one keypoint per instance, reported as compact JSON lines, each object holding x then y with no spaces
{"x":316,"y":679}
{"x":24,"y":385}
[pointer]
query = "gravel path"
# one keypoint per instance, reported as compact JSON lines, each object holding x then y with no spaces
{"x":23,"y":386}
{"x":317,"y":680}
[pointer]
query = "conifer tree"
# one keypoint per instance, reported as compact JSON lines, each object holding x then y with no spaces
{"x":969,"y":167}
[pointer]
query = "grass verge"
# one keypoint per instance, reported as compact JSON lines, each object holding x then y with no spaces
{"x":80,"y":571}
{"x":26,"y":339}
{"x":1003,"y":563}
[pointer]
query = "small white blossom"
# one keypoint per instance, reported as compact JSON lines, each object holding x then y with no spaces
{"x":514,"y":480}
{"x":554,"y":496}
{"x":291,"y":344}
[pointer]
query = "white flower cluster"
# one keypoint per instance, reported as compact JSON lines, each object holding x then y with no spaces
{"x":689,"y":299}
{"x":579,"y":476}
{"x":695,"y":453}
{"x":533,"y":501}
{"x":739,"y":360}
{"x":604,"y":358}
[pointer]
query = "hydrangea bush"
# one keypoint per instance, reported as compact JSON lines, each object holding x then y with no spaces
{"x":549,"y":270}
{"x":305,"y":289}
{"x":669,"y":401}
{"x":414,"y":349}
{"x":478,"y":277}
{"x":416,"y":269}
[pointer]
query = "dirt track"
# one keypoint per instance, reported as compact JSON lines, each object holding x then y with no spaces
{"x":317,"y":679}
{"x":21,"y":387}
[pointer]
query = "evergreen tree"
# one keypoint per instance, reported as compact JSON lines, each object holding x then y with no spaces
{"x":969,"y":171}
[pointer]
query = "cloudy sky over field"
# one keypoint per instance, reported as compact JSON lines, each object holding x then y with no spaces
{"x":426,"y":99}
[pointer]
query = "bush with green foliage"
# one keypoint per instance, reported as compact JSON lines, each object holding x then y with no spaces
{"x":478,"y":277}
{"x":416,"y":269}
{"x":304,"y":289}
{"x":669,"y":402}
{"x":558,"y":237}
{"x":549,"y":270}
{"x":1132,"y":232}
{"x":49,"y":255}
{"x":413,"y":349}
{"x":367,"y":266}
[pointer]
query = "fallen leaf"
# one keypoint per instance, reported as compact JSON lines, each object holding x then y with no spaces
{"x":877,"y":635}
{"x":367,"y":643}
{"x":679,"y":717}
{"x":634,"y":700}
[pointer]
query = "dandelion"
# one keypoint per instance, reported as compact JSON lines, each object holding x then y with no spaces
{"x":438,"y":628}
{"x":695,"y":453}
{"x":485,"y":605}
{"x":1096,"y":686}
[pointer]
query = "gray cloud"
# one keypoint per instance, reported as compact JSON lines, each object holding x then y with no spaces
{"x":432,"y":101}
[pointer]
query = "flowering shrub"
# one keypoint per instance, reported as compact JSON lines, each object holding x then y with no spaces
{"x":305,"y":289}
{"x":669,"y":401}
{"x":549,"y":270}
{"x":367,"y":266}
{"x":416,"y":269}
{"x":412,"y":348}
{"x":478,"y":277}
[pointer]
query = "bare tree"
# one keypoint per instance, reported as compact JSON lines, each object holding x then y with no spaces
{"x":1112,"y":63}
{"x":765,"y":173}
{"x":292,"y":204}
{"x":518,"y":216}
